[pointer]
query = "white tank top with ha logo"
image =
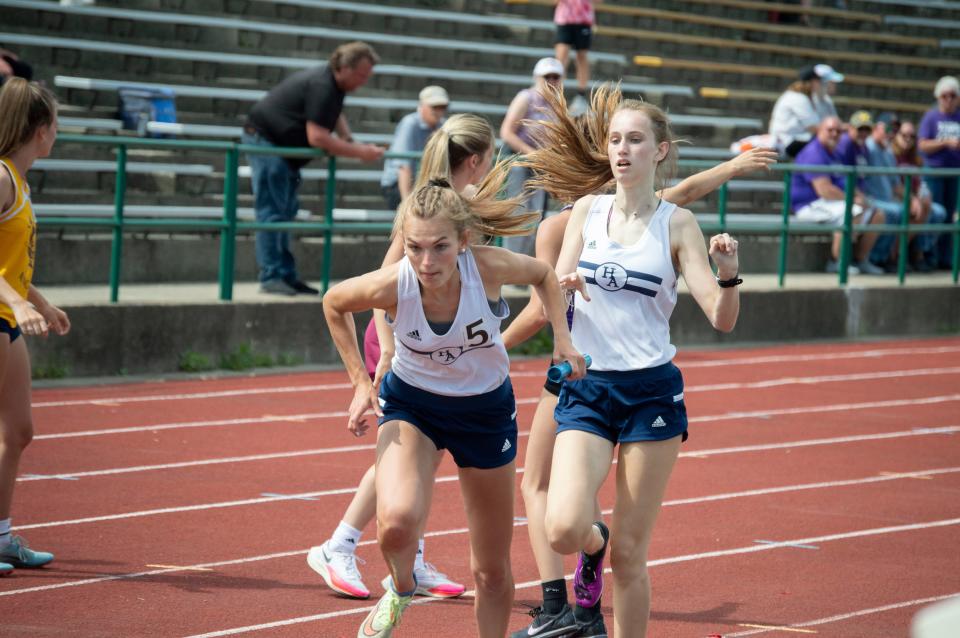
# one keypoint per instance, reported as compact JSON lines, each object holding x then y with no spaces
{"x":467,"y":360}
{"x":633,"y":290}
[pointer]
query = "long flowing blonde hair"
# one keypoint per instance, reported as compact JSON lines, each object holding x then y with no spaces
{"x":482,"y":214}
{"x":461,"y":136}
{"x":572,"y":160}
{"x":24,"y":108}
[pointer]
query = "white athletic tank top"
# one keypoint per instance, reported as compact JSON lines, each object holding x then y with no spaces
{"x":633,"y":290}
{"x":470,"y":358}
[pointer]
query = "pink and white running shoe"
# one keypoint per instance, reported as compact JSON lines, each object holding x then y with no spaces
{"x":339,"y":570}
{"x":432,"y":583}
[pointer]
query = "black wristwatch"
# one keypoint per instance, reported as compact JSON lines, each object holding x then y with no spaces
{"x":729,"y":283}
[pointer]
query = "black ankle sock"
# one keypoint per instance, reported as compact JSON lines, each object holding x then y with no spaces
{"x":554,"y":595}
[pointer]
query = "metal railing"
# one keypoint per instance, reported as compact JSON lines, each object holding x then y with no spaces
{"x":228,"y":224}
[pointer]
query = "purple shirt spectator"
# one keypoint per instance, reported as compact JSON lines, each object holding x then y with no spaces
{"x":937,"y":125}
{"x":801,"y":188}
{"x":852,"y":154}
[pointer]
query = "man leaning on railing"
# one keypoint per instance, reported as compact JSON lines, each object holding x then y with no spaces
{"x":303,"y":110}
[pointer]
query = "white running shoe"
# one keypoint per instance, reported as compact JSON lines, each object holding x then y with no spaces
{"x":432,"y":583}
{"x":339,"y":570}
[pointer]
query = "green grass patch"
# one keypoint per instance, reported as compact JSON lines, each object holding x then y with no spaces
{"x":539,"y":344}
{"x":51,"y":370}
{"x":245,"y":358}
{"x":194,"y":362}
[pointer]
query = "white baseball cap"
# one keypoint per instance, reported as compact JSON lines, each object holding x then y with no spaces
{"x":548,"y":66}
{"x":826,"y":72}
{"x":434,"y":96}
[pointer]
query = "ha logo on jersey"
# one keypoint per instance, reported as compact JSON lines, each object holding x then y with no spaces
{"x":614,"y":277}
{"x":476,"y":338}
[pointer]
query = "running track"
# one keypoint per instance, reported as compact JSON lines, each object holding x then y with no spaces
{"x":818,"y":495}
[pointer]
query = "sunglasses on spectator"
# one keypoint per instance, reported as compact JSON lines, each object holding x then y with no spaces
{"x":551,"y":77}
{"x":949,"y":96}
{"x":907,"y":136}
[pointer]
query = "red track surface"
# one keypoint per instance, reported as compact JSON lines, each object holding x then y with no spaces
{"x":848,"y":456}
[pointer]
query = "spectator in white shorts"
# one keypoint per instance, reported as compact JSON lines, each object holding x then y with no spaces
{"x":820,"y":198}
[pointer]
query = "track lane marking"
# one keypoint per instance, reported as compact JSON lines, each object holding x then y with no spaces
{"x":852,"y":614}
{"x":662,"y":561}
{"x":301,"y":418}
{"x":828,"y":356}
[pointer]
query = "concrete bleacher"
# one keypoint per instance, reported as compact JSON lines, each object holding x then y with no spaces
{"x":219,"y":57}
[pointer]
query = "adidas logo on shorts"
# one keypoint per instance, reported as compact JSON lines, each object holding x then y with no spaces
{"x":592,"y":243}
{"x":414,"y":334}
{"x":506,"y":445}
{"x":658,"y":423}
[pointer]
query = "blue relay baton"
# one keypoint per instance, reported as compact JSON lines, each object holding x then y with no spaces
{"x":560,"y":371}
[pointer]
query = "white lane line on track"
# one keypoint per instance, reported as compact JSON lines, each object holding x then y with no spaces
{"x":355,"y":448}
{"x":454,"y":478}
{"x":663,"y":561}
{"x":451,"y":532}
{"x":525,"y":373}
{"x":852,"y":614}
{"x":299,"y":418}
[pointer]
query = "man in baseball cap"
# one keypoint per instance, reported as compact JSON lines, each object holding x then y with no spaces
{"x":411,"y":136}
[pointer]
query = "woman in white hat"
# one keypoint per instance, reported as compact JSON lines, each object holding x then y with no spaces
{"x":528,"y":106}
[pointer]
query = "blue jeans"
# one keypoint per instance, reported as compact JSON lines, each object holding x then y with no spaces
{"x":275,"y":185}
{"x":893,"y":213}
{"x":943,"y":190}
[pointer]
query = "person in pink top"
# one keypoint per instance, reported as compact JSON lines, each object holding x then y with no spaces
{"x":574,"y":20}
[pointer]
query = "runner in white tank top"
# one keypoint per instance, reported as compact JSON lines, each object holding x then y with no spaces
{"x":469,"y":357}
{"x":634,"y":284}
{"x":479,"y":429}
{"x":638,"y":408}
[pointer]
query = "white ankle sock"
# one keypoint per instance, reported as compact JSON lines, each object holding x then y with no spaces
{"x":345,"y":538}
{"x":418,"y":563}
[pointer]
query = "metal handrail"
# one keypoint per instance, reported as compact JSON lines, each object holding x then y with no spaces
{"x":228,"y":225}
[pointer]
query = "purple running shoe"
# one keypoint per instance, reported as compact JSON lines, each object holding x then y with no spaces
{"x":588,"y":579}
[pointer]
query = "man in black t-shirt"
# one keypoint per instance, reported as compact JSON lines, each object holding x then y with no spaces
{"x":303,"y":110}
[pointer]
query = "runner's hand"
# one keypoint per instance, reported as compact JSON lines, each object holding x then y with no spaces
{"x":363,"y":401}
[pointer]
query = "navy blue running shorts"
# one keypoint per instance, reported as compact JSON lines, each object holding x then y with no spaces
{"x":623,"y":407}
{"x":479,"y":431}
{"x":6,"y":328}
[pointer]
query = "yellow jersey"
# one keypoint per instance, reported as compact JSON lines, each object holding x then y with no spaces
{"x":18,"y":240}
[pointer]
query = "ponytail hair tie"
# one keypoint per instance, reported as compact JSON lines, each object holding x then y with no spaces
{"x":439,"y":182}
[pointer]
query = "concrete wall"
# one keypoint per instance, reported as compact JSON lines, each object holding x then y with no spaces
{"x":159,"y":258}
{"x":133,"y":339}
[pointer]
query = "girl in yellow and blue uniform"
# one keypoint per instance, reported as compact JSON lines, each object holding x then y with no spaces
{"x":28,"y":130}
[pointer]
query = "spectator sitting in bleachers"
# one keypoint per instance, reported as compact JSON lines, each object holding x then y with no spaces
{"x":824,"y":90}
{"x":852,"y":150}
{"x":527,"y":108}
{"x":11,"y":66}
{"x":794,"y":119}
{"x":905,"y":151}
{"x":411,"y":136}
{"x":820,"y":198}
{"x":939,"y":142}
